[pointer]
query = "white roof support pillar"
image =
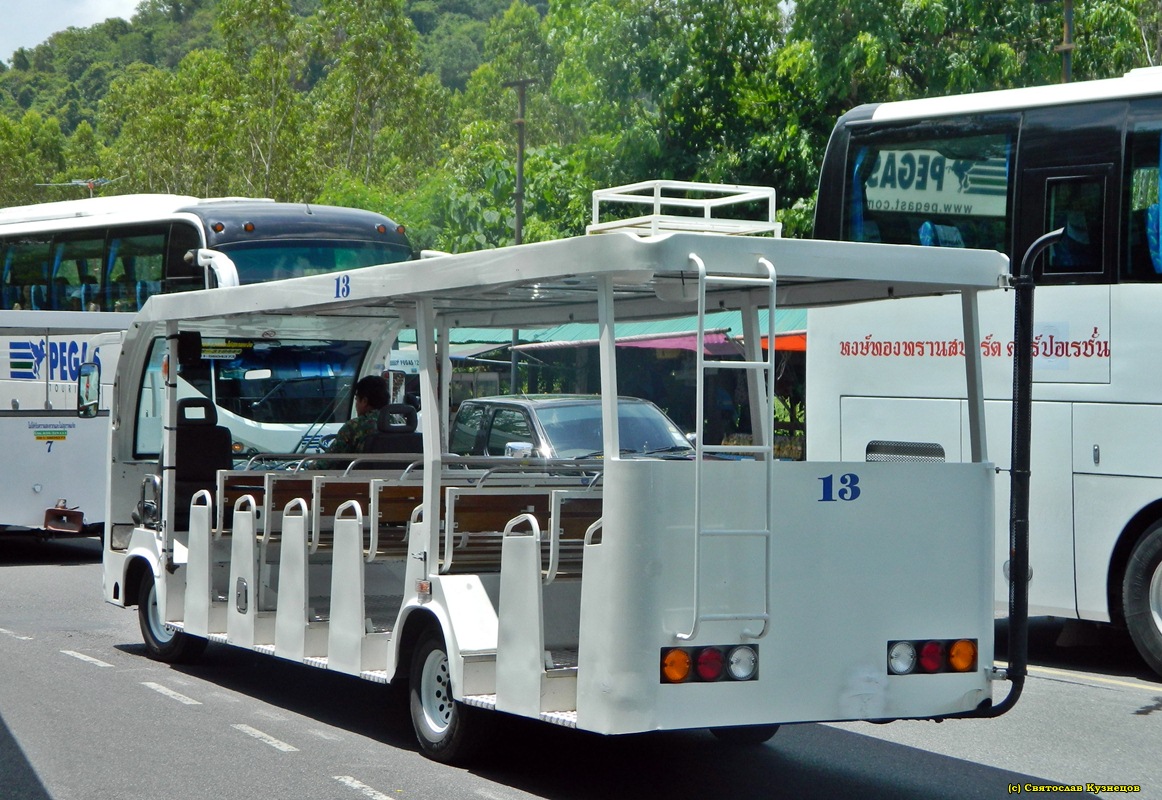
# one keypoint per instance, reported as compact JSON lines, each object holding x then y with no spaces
{"x":970,"y":312}
{"x":607,"y":350}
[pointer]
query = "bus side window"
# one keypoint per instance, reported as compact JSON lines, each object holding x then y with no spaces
{"x":180,"y":275}
{"x":1078,"y":206}
{"x":134,"y":271}
{"x":29,"y":273}
{"x":1142,"y":259}
{"x":75,"y":279}
{"x":7,"y":290}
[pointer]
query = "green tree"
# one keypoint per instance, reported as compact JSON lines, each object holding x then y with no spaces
{"x":163,"y":141}
{"x":266,"y":45}
{"x":372,"y":111}
{"x":31,"y":152}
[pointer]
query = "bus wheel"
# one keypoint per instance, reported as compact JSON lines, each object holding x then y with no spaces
{"x":1142,"y":596}
{"x":745,"y":734}
{"x":162,"y":644}
{"x":446,"y":730}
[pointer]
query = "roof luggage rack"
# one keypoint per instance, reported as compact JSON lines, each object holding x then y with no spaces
{"x":695,"y":204}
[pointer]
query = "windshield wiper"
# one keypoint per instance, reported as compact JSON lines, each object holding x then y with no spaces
{"x":674,"y":448}
{"x":625,"y":451}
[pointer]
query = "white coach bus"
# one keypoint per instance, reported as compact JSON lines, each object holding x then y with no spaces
{"x":635,"y":592}
{"x":998,"y":170}
{"x":73,"y":273}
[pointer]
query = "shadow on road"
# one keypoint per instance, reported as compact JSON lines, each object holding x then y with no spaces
{"x":1082,"y":646}
{"x":28,"y":550}
{"x":802,"y":761}
{"x":19,"y":779}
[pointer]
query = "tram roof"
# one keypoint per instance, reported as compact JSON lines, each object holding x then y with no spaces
{"x":549,"y":283}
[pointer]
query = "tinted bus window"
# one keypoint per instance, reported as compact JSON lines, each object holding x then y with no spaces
{"x":26,"y":273}
{"x":182,"y":275}
{"x":135,"y":268}
{"x":946,"y":191}
{"x":77,"y":274}
{"x":1142,"y":260}
{"x":1076,"y":204}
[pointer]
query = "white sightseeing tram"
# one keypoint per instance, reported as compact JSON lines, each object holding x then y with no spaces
{"x":629,"y":593}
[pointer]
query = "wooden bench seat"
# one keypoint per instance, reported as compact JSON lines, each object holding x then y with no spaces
{"x":475,"y":515}
{"x":477,"y":518}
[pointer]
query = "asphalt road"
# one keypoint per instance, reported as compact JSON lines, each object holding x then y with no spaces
{"x":84,"y":714}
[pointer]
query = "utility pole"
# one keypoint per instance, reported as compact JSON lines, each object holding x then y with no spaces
{"x":1066,"y":47}
{"x":519,"y":197}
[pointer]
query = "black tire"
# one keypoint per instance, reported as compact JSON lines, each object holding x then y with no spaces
{"x":1142,"y":596}
{"x":745,"y":735}
{"x":162,"y":644}
{"x":447,"y":731}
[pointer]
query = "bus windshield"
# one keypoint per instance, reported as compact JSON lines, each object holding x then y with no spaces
{"x":262,"y":261}
{"x":291,"y":382}
{"x":272,"y":394}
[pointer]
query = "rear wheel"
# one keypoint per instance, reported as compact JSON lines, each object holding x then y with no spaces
{"x":1142,"y":596}
{"x":161,"y":643}
{"x":447,"y":731}
{"x":745,"y":734}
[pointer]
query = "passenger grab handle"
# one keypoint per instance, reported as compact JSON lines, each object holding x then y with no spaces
{"x":518,"y":519}
{"x":535,"y":532}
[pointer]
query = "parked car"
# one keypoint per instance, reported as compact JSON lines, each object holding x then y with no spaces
{"x":561,"y":426}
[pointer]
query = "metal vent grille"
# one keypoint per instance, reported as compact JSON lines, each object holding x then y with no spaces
{"x":903,"y":451}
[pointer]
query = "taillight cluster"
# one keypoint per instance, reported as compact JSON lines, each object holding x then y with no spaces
{"x":738,"y":662}
{"x":930,"y":656}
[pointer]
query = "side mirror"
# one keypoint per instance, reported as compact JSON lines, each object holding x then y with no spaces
{"x":88,"y":389}
{"x":518,"y":450}
{"x":189,"y":348}
{"x":396,"y":392}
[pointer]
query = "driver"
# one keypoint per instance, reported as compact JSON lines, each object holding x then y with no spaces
{"x":370,"y":396}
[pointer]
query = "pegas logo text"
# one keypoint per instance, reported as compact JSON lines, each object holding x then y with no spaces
{"x":28,"y":359}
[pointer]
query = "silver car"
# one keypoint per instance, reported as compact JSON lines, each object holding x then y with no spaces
{"x":561,"y":426}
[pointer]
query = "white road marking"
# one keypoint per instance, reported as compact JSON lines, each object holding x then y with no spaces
{"x":367,"y":791}
{"x":7,"y":632}
{"x":490,"y":795}
{"x":1048,"y":672}
{"x":96,"y":662}
{"x":266,"y":738}
{"x":1086,"y":677}
{"x":181,"y":698}
{"x":330,"y":737}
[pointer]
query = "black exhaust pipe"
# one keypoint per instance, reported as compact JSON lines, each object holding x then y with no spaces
{"x":1019,"y":475}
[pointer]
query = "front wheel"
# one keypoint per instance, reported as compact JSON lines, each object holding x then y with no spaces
{"x":447,"y":731}
{"x":1142,"y":596}
{"x":161,"y":643}
{"x":745,"y":735}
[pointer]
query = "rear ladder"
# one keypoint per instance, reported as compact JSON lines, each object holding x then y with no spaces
{"x":760,"y":383}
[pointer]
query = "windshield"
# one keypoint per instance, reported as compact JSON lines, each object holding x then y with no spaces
{"x":281,"y":381}
{"x":292,"y":258}
{"x":575,"y":430}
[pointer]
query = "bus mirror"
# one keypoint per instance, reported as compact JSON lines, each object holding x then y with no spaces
{"x":88,"y":389}
{"x":189,"y":348}
{"x":218,"y":266}
{"x":395,"y":386}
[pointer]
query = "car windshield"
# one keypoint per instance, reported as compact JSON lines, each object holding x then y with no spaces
{"x":575,"y":430}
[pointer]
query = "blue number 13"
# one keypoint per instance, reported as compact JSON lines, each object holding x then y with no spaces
{"x":848,"y":488}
